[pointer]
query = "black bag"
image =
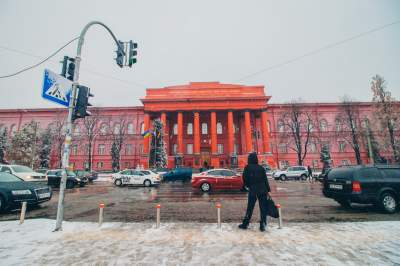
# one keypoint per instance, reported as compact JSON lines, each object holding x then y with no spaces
{"x":272,"y":210}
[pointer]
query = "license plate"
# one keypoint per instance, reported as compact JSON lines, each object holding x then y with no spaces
{"x":334,"y":186}
{"x":44,"y":195}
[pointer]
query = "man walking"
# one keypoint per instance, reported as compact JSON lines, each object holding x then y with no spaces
{"x":310,"y":177}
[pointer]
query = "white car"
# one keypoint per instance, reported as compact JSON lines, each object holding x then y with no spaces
{"x":293,"y":172}
{"x":135,"y":177}
{"x":24,"y":172}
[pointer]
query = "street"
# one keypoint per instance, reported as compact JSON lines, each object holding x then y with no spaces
{"x":301,"y":202}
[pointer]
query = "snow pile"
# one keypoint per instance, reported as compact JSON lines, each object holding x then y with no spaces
{"x":33,"y":243}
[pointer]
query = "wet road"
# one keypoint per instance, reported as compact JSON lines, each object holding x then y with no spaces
{"x":301,"y":201}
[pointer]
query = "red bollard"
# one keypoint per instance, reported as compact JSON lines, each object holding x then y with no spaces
{"x":278,"y":206}
{"x":158,"y":207}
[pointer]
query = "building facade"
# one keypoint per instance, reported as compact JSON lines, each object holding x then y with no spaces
{"x":204,"y":122}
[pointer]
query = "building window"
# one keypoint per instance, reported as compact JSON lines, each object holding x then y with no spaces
{"x":189,"y":129}
{"x":128,"y":149}
{"x":220,"y":148}
{"x":175,"y":149}
{"x":103,"y":129}
{"x":219,"y":128}
{"x":74,"y":150}
{"x":141,"y":148}
{"x":130,"y":128}
{"x":100,"y":165}
{"x":77,"y":131}
{"x":283,"y":164}
{"x":282,"y":148}
{"x":326,"y":145}
{"x":175,"y":129}
{"x":101,"y":149}
{"x":365,"y":123}
{"x":345,"y":162}
{"x":342,"y":146}
{"x":126,"y":164}
{"x":189,"y":148}
{"x":86,"y":165}
{"x":117,"y":128}
{"x":204,"y":129}
{"x":281,"y":126}
{"x":338,"y":125}
{"x":323,"y":125}
{"x":141,"y":128}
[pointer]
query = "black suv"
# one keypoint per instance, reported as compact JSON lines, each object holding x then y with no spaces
{"x":376,"y":184}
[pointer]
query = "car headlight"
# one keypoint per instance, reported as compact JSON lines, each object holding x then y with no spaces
{"x":21,"y":192}
{"x":78,"y":179}
{"x":28,"y":177}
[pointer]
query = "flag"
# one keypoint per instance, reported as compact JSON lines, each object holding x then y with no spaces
{"x":147,"y":133}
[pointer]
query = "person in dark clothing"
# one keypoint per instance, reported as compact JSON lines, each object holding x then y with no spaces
{"x":310,"y":177}
{"x":255,"y":179}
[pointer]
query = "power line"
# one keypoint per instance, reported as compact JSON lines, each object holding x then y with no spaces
{"x":41,"y":62}
{"x":318,"y":50}
{"x":96,"y":73}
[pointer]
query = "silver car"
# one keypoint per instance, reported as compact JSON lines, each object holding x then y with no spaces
{"x":293,"y":172}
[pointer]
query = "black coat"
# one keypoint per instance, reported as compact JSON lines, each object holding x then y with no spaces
{"x":255,"y":179}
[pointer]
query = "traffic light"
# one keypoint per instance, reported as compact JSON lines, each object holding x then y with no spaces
{"x":132,"y":53}
{"x":71,"y":69}
{"x":120,"y":54}
{"x":64,"y":66}
{"x":82,"y":102}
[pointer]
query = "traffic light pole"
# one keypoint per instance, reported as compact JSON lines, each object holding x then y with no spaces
{"x":68,"y":135}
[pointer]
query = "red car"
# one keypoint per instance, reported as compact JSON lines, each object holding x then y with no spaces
{"x":217,"y":179}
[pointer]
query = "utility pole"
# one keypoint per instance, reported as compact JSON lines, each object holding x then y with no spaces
{"x":68,"y":135}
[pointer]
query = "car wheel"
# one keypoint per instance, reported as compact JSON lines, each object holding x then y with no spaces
{"x":303,"y":177}
{"x":118,"y":182}
{"x":344,"y":203}
{"x":70,"y":184}
{"x":388,"y":203}
{"x":147,"y":183}
{"x":282,"y":177}
{"x":205,"y":187}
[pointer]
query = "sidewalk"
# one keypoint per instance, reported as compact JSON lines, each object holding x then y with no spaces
{"x":84,"y":243}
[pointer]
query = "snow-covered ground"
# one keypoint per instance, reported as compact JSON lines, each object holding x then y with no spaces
{"x":84,"y":243}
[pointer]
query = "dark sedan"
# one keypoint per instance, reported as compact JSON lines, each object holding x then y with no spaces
{"x":54,"y":179}
{"x":14,"y":190}
{"x":90,"y":175}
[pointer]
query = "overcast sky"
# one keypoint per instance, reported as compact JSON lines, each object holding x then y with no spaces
{"x":207,"y":40}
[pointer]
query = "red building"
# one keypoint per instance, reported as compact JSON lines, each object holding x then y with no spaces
{"x":204,"y":122}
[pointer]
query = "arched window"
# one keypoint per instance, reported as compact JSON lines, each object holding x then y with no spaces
{"x":130,"y":128}
{"x":175,"y":129}
{"x":219,"y":128}
{"x":117,"y":128}
{"x":103,"y":129}
{"x":338,"y":125}
{"x":281,"y":126}
{"x":141,"y":128}
{"x":323,"y":125}
{"x":204,"y":129}
{"x":189,"y":129}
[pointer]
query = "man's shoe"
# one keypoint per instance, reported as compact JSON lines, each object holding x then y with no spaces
{"x":262,"y":227}
{"x":243,"y":226}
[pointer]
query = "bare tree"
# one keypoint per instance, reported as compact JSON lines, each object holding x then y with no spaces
{"x":350,"y":129}
{"x":91,"y":129}
{"x":387,"y":113}
{"x":58,"y":133}
{"x":118,"y":132}
{"x":297,"y":129}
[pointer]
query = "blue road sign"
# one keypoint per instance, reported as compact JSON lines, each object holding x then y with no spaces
{"x":56,"y":88}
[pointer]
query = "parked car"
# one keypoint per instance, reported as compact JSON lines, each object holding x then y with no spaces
{"x":217,"y":179}
{"x":378,"y":185}
{"x":24,"y":172}
{"x":42,"y":170}
{"x":135,"y":177}
{"x":153,"y":174}
{"x":160,"y":171}
{"x":86,"y":175}
{"x":14,"y":190}
{"x":293,"y":172}
{"x":178,"y":174}
{"x":54,"y":179}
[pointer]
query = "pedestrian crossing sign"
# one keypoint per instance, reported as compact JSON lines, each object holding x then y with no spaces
{"x":56,"y":88}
